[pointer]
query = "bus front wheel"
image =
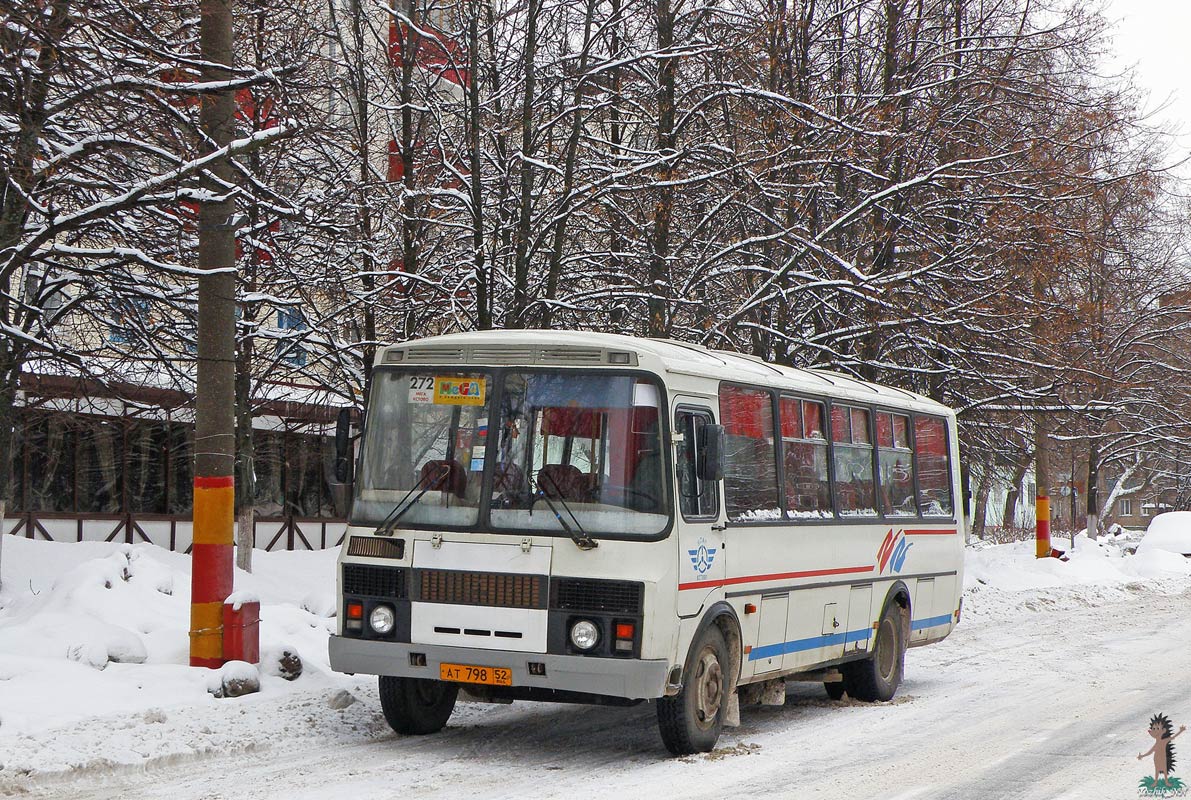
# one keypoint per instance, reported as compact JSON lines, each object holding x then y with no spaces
{"x":691,"y":721}
{"x":877,"y":677}
{"x":414,"y":706}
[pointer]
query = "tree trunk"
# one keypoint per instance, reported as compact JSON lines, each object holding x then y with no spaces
{"x":981,"y":511}
{"x":1093,"y":489}
{"x":245,"y":459}
{"x":7,"y":420}
{"x":361,"y":106}
{"x":617,"y":316}
{"x":20,"y":173}
{"x":659,"y":240}
{"x":571,"y":157}
{"x":475,"y":179}
{"x":410,"y":226}
{"x":517,"y":316}
{"x":10,"y":375}
{"x":1009,"y":513}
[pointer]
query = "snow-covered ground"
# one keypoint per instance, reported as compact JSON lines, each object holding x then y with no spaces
{"x":1044,"y":690}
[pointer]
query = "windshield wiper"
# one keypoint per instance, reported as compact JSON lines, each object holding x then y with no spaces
{"x":390,"y":521}
{"x":581,"y":539}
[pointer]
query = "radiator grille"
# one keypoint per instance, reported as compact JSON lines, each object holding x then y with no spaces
{"x":581,"y":594}
{"x":482,"y":588}
{"x":370,"y":581}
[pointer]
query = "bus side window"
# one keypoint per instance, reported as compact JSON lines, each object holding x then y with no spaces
{"x":696,"y":497}
{"x":804,"y":454}
{"x":853,"y":453}
{"x":934,"y":466}
{"x":750,"y":458}
{"x":895,"y":465}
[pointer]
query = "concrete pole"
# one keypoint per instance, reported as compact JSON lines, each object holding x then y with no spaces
{"x":215,"y":401}
{"x":1042,"y":481}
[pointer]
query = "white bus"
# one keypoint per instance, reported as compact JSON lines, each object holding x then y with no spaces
{"x":583,"y":517}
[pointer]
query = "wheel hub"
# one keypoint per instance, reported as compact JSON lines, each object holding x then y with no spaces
{"x":886,"y":655}
{"x":709,"y":683}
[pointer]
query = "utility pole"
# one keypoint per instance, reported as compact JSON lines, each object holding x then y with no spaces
{"x":1042,"y":481}
{"x":215,"y":400}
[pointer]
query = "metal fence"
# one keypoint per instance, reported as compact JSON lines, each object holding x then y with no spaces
{"x":172,"y":532}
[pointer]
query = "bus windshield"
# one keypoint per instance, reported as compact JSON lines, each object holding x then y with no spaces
{"x":583,"y":448}
{"x":423,"y":454}
{"x":560,"y":453}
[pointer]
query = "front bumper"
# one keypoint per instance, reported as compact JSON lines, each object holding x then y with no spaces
{"x":634,"y":679}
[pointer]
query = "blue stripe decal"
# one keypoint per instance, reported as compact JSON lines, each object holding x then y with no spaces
{"x":930,"y":622}
{"x":813,"y":643}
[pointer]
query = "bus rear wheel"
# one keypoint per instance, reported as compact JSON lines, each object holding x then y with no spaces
{"x":414,"y":706}
{"x":877,"y":677}
{"x":691,"y":721}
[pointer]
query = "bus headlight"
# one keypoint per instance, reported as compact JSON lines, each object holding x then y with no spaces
{"x":584,"y":634}
{"x":381,"y":619}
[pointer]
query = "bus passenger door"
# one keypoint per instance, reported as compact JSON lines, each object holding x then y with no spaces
{"x":700,"y":532}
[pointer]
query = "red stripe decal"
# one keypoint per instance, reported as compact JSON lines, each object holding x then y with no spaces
{"x":777,"y":576}
{"x":885,"y":551}
{"x":214,"y":482}
{"x":930,"y":533}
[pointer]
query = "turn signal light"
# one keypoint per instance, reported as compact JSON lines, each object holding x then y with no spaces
{"x":624,"y":630}
{"x":355,"y":611}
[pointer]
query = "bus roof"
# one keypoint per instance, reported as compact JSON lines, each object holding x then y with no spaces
{"x":586,"y":348}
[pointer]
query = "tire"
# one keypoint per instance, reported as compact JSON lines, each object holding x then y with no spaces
{"x":416,"y":707}
{"x":877,"y":677}
{"x":834,"y":689}
{"x":691,"y":721}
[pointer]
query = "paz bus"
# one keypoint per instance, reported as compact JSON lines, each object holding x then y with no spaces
{"x":595,"y":518}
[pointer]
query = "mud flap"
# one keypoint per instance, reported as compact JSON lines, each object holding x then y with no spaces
{"x":732,"y":711}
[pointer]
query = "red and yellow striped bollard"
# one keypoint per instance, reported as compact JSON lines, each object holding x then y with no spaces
{"x":211,"y":567}
{"x":1042,"y":527}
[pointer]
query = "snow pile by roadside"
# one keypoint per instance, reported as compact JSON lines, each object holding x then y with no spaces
{"x":1170,"y":532}
{"x":1002,"y":580}
{"x":1013,"y":567}
{"x":95,"y":629}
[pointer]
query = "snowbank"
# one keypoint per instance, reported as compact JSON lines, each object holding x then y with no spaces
{"x":93,"y":629}
{"x":1170,"y":532}
{"x":1014,"y":567}
{"x":1001,"y":582}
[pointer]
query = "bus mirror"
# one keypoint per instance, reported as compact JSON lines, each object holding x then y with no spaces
{"x":710,"y":451}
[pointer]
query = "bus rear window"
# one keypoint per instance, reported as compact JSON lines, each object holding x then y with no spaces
{"x":934,"y":478}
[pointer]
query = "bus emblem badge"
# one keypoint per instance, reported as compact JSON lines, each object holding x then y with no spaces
{"x":702,"y":557}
